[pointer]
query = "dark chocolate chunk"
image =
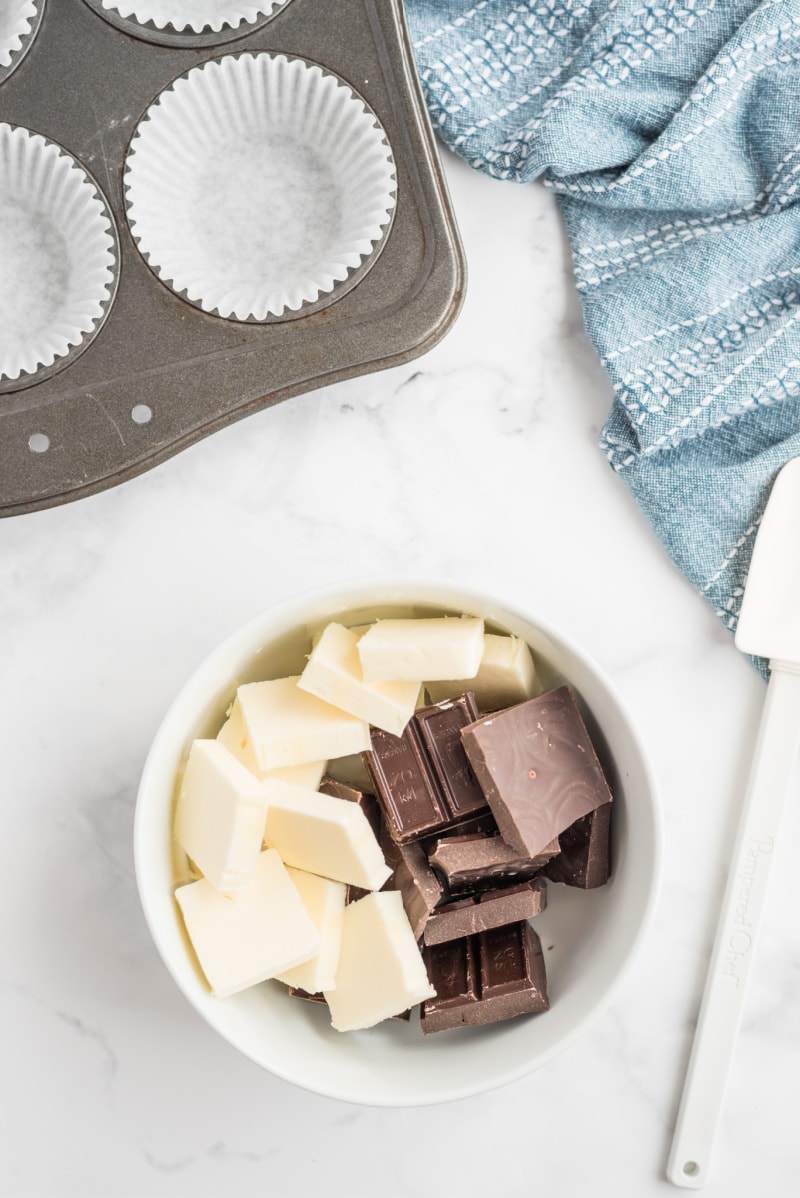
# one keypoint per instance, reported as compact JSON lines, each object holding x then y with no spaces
{"x":485,"y":978}
{"x":585,"y":859}
{"x":477,"y":825}
{"x":439,"y":728}
{"x":405,"y":785}
{"x":353,"y":893}
{"x":537,"y":767}
{"x":474,"y":861}
{"x":423,"y":779}
{"x":467,"y":916}
{"x":371,"y":808}
{"x":511,"y":968}
{"x":298,"y":992}
{"x":453,"y":972}
{"x":340,"y":790}
{"x":419,"y":887}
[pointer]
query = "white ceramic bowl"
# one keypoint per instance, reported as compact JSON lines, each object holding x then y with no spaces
{"x":589,"y":937}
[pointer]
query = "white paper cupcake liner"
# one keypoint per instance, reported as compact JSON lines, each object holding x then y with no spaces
{"x":257,"y":183}
{"x":57,"y":250}
{"x":194,"y":15}
{"x":17,"y":18}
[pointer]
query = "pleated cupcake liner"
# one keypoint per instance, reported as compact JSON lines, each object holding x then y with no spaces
{"x":256,"y":183}
{"x":17,"y":21}
{"x":57,"y":248}
{"x":193,"y":15}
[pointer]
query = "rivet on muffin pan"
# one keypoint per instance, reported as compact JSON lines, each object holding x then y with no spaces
{"x":257,"y":184}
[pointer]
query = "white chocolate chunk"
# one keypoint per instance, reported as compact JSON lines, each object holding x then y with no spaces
{"x":308,"y":774}
{"x":287,"y":726}
{"x":233,"y":736}
{"x":381,"y":972}
{"x":506,"y":676}
{"x":220,"y":815}
{"x":430,"y":649}
{"x":253,"y":934}
{"x":324,"y":835}
{"x":333,"y":673}
{"x":324,"y":901}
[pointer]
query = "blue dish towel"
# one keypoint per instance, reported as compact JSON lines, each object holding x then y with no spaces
{"x":670,"y":133}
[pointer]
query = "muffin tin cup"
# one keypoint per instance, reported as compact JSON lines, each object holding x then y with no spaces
{"x":58,"y":246}
{"x":187,"y":24}
{"x":19,"y":24}
{"x":257,"y":184}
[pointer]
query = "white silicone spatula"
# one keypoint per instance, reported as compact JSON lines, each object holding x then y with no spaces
{"x":769,"y":626}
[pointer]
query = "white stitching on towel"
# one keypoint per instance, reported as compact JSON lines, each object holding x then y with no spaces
{"x":691,"y":321}
{"x":568,"y":9}
{"x":684,"y":232}
{"x":588,"y":251}
{"x":572,"y":84}
{"x":443,"y":30}
{"x":759,"y":398}
{"x":702,"y":356}
{"x":540,"y":87}
{"x":645,"y":255}
{"x":737,"y":370}
{"x":768,"y":41}
{"x":485,"y":63}
{"x":729,"y":617}
{"x":743,"y":539}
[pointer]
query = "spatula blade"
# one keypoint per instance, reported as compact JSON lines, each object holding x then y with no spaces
{"x":769,"y":621}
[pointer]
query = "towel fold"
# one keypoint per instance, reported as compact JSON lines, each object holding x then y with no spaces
{"x":670,"y":133}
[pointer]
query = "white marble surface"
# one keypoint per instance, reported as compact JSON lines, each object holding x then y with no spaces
{"x":475,"y":463}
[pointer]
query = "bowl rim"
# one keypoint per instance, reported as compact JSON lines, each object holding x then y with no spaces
{"x":378,"y":591}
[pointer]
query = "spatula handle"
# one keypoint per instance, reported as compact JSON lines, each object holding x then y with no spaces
{"x":732,"y":956}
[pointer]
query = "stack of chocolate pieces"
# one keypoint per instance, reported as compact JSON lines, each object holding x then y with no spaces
{"x":476,"y":812}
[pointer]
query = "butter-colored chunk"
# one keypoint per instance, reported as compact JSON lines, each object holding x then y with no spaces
{"x":288,"y":726}
{"x":324,"y":835}
{"x":426,"y":649}
{"x":381,"y":972}
{"x":234,"y":737}
{"x":219,"y":821}
{"x":308,"y":774}
{"x":324,"y":900}
{"x":252,"y":934}
{"x":506,"y":675}
{"x":334,"y":673}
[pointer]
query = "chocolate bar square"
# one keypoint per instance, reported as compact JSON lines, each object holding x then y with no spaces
{"x":537,"y":767}
{"x":482,"y":979}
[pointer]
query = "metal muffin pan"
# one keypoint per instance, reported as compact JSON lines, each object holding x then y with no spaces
{"x":161,"y":373}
